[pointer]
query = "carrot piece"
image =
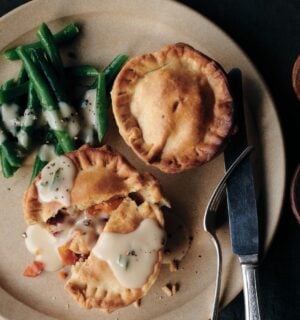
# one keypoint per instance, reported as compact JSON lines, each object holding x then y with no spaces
{"x":68,"y":256}
{"x":34,"y":269}
{"x":62,"y":274}
{"x":106,"y":206}
{"x":112,"y":204}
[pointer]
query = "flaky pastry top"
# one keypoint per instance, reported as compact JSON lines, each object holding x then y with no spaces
{"x":101,"y":175}
{"x":173,"y":107}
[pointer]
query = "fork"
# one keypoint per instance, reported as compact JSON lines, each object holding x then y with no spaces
{"x":209,"y":225}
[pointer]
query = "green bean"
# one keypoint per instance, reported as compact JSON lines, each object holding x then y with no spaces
{"x":41,"y":161}
{"x":67,"y":144}
{"x":32,"y":100}
{"x":112,"y":70}
{"x":64,"y":35}
{"x":37,"y":167}
{"x":8,"y":84}
{"x":10,"y":161}
{"x":30,"y":115}
{"x":10,"y":94}
{"x":22,"y":76}
{"x":48,"y":42}
{"x":49,"y":72}
{"x":101,"y":107}
{"x":69,"y":114}
{"x":46,"y":99}
{"x":40,"y":85}
{"x":50,"y":138}
{"x":12,"y":128}
{"x":7,"y":169}
{"x":10,"y":153}
{"x":58,"y":149}
{"x":82,"y":71}
{"x":21,"y":79}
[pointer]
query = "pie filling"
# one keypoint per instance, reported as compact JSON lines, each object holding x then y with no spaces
{"x":71,"y":235}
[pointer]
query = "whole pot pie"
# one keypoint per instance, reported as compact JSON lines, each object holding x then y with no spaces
{"x":94,"y":211}
{"x":173,"y":107}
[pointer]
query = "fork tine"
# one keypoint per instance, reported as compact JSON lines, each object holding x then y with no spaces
{"x":221,"y":185}
{"x":216,"y":203}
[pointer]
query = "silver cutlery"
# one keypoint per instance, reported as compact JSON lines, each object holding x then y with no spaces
{"x":209,"y":226}
{"x":241,"y":203}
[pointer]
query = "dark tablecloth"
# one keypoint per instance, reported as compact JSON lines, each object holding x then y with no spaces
{"x":269,"y":32}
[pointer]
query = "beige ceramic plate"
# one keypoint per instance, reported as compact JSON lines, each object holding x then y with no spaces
{"x":110,"y":27}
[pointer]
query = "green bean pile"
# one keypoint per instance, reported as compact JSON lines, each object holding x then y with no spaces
{"x":40,"y":99}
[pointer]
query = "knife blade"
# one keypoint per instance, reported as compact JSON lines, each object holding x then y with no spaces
{"x":241,"y":199}
{"x":241,"y":204}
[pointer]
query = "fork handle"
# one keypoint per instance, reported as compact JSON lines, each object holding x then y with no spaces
{"x":251,"y":291}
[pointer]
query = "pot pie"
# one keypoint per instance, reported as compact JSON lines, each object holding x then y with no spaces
{"x":94,"y":211}
{"x":173,"y":107}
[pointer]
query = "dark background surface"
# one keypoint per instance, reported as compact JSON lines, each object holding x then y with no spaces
{"x":269,"y":32}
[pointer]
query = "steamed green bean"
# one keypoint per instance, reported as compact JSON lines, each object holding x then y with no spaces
{"x":61,"y":37}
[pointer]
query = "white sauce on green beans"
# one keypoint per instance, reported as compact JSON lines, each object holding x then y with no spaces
{"x":47,"y":152}
{"x":2,"y":136}
{"x":56,"y":182}
{"x":88,"y":107}
{"x":87,"y":135}
{"x":131,"y":256}
{"x":23,"y":138}
{"x":24,"y":122}
{"x":65,"y":109}
{"x":53,"y":119}
{"x":10,"y":117}
{"x":70,"y":119}
{"x":41,"y":120}
{"x":43,"y":245}
{"x":28,"y":118}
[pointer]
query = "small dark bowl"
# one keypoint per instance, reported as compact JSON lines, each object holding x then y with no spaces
{"x":295,"y":194}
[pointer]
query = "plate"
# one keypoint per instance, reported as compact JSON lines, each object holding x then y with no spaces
{"x":110,"y":27}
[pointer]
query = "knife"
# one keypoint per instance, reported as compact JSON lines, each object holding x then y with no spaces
{"x":241,"y":204}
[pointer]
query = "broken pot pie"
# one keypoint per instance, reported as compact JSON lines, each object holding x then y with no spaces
{"x":173,"y":107}
{"x":92,"y":210}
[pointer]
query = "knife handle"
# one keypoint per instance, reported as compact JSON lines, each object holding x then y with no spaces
{"x":251,"y":291}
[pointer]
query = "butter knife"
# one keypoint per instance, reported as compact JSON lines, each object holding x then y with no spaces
{"x":241,"y":203}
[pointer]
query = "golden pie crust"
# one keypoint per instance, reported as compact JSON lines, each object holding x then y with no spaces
{"x":92,"y":283}
{"x":103,"y":175}
{"x":173,"y":107}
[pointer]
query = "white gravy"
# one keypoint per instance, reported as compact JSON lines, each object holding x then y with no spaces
{"x":56,"y":181}
{"x":131,"y":256}
{"x":52,"y":118}
{"x":89,"y":227}
{"x":42,"y":244}
{"x":70,"y":119}
{"x":47,"y":152}
{"x":2,"y":136}
{"x":10,"y":118}
{"x":28,"y":118}
{"x":23,"y":138}
{"x":88,"y":107}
